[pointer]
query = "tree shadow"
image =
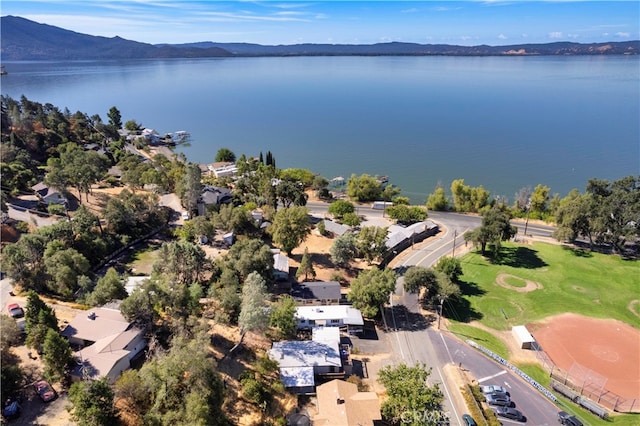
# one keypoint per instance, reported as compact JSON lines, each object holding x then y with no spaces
{"x":468,"y":288}
{"x":460,"y":309}
{"x":400,"y":318}
{"x":519,"y":257}
{"x":578,"y":251}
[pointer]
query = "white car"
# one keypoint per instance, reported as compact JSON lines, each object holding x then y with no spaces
{"x":493,"y":389}
{"x":185,"y":215}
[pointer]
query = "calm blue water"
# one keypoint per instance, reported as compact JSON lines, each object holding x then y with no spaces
{"x":504,"y":123}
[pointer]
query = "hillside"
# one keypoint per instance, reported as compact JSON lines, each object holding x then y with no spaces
{"x":22,"y":39}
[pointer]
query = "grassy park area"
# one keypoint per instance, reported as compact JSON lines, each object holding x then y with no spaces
{"x":535,"y":281}
{"x":532,"y":282}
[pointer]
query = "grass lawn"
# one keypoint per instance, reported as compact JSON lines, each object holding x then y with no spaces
{"x":141,"y":261}
{"x":571,"y":280}
{"x":577,"y":281}
{"x":482,"y":337}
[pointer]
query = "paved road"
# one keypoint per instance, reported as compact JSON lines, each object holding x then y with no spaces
{"x":419,"y":340}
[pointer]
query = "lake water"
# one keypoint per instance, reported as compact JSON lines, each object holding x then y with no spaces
{"x":504,"y":123}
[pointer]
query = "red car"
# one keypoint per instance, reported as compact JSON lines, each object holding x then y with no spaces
{"x":45,"y":391}
{"x":15,"y":310}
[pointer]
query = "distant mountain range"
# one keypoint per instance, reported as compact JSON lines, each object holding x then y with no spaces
{"x":22,"y":39}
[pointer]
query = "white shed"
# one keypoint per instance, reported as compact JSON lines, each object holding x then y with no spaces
{"x":522,"y":336}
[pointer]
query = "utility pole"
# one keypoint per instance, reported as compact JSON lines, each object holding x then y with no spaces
{"x":526,"y":222}
{"x":453,"y":251}
{"x":440,"y":312}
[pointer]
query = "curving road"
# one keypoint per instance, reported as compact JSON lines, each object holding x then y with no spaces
{"x":415,"y":342}
{"x":416,"y":339}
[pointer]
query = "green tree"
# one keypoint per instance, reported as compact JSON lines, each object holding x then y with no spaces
{"x":371,"y":289}
{"x":406,"y":215}
{"x":364,"y":188}
{"x":234,"y":219}
{"x":182,"y":385}
{"x":304,"y":176}
{"x":247,"y":256}
{"x":438,"y":200}
{"x":283,"y":316}
{"x":408,"y":391}
{"x":468,"y":199}
{"x":132,"y":126}
{"x":183,"y":261}
{"x":390,"y":192}
{"x":450,"y":266}
{"x":539,"y":200}
{"x":417,"y":277}
{"x":306,"y":266}
{"x":351,"y":219}
{"x":189,"y":188}
{"x":75,"y":167}
{"x":343,"y":249}
{"x":24,"y":261}
{"x":92,"y":403}
{"x":39,"y":318}
{"x":341,"y":207}
{"x":370,"y":242}
{"x":225,"y":155}
{"x":142,"y":306}
{"x":115,"y":118}
{"x":65,"y":267}
{"x":56,"y":356}
{"x":290,"y":227}
{"x":290,"y":193}
{"x":9,"y":332}
{"x":253,"y":316}
{"x":495,"y":228}
{"x":109,"y":287}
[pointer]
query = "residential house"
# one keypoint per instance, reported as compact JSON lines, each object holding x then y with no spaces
{"x":213,"y":196}
{"x":49,"y":195}
{"x":335,"y":228}
{"x":340,"y":404}
{"x":280,"y":266}
{"x":317,"y":293}
{"x":106,"y":343}
{"x":302,"y":362}
{"x":223,"y":169}
{"x":338,"y":316}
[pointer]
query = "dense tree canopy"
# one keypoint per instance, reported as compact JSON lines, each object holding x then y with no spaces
{"x":343,"y":249}
{"x":371,"y":289}
{"x":290,"y":227}
{"x":468,"y":199}
{"x":370,"y":242}
{"x":364,"y":188}
{"x":495,"y":228}
{"x":410,"y":396}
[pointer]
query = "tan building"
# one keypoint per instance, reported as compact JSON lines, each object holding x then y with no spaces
{"x":340,"y":404}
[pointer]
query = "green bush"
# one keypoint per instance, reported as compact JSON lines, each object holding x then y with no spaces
{"x":321,"y":228}
{"x":351,"y":219}
{"x":253,"y":390}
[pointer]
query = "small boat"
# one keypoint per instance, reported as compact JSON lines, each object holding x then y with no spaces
{"x":2,"y":70}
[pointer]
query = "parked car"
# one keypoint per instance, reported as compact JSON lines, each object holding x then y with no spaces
{"x":493,"y":389}
{"x":498,"y":399}
{"x":510,"y":413}
{"x":11,"y":410}
{"x":567,"y":419}
{"x":467,"y":420}
{"x":15,"y":310}
{"x":45,"y":391}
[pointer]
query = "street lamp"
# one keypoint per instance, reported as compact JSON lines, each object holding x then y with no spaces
{"x":526,"y":222}
{"x":440,"y":310}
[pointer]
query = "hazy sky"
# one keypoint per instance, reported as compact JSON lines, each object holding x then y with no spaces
{"x":495,"y":22}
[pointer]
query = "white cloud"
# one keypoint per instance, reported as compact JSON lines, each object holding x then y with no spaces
{"x":412,"y":10}
{"x":502,"y":37}
{"x":555,"y":34}
{"x":573,"y":35}
{"x":524,"y":35}
{"x":623,"y":34}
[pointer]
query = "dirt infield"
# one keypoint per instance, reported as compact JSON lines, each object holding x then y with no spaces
{"x":501,"y":280}
{"x":584,"y":346}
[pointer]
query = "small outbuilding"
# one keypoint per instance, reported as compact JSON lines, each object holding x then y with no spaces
{"x":523,"y":337}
